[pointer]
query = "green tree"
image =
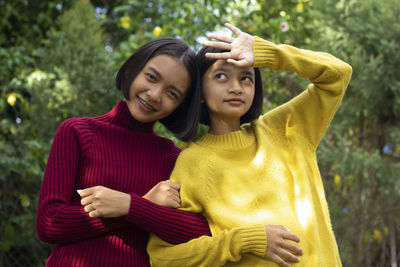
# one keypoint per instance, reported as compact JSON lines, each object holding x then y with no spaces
{"x":77,"y":73}
{"x":23,"y":26}
{"x":73,"y":76}
{"x":53,"y":71}
{"x":360,"y":154}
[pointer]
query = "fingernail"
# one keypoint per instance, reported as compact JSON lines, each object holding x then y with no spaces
{"x":79,"y":191}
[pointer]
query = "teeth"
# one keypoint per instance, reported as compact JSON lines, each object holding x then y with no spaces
{"x":145,"y":105}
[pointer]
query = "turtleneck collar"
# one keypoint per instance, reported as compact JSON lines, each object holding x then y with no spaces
{"x":121,"y":116}
{"x":233,"y":141}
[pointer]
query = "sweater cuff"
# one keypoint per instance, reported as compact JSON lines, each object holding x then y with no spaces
{"x":254,"y":239}
{"x":139,"y":205}
{"x":265,"y":53}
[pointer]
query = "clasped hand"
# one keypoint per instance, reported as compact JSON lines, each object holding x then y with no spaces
{"x":100,"y":201}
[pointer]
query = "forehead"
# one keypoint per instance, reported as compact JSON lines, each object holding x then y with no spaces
{"x":161,"y":61}
{"x":223,"y":64}
{"x":171,"y":69}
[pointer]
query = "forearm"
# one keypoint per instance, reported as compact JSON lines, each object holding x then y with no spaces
{"x":310,"y":113}
{"x":172,"y":225}
{"x":228,"y":245}
{"x":322,"y":69}
{"x":61,"y":223}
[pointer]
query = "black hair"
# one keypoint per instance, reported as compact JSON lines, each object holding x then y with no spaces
{"x":184,"y":120}
{"x":255,"y":110}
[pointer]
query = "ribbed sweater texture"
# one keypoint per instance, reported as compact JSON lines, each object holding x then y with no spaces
{"x":116,"y":151}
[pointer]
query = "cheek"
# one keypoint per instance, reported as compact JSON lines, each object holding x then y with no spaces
{"x":211,"y":100}
{"x":206,"y":93}
{"x":251,"y":92}
{"x":131,"y":90}
{"x":135,"y":84}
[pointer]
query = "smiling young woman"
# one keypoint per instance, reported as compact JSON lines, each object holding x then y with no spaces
{"x":155,"y":93}
{"x":104,"y":187}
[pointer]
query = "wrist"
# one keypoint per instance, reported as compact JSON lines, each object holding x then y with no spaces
{"x":126,"y":204}
{"x":254,"y":239}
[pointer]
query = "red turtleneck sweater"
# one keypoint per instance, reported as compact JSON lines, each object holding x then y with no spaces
{"x":116,"y":151}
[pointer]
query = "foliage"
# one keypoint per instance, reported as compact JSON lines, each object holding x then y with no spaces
{"x":362,"y":147}
{"x":58,"y":60}
{"x":23,"y":25}
{"x":191,"y":21}
{"x":70,"y":74}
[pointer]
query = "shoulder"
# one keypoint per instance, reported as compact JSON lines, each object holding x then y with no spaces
{"x":189,"y":163}
{"x":78,"y":125}
{"x":168,"y":146}
{"x":193,"y":153}
{"x":77,"y":130}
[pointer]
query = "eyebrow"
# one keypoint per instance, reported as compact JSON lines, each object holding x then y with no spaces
{"x":221,"y":69}
{"x":157,"y":73}
{"x":247,"y":72}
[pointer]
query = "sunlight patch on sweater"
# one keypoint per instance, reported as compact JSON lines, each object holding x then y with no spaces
{"x":231,"y":217}
{"x":243,"y":199}
{"x":296,"y":190}
{"x":304,"y":211}
{"x":259,"y":159}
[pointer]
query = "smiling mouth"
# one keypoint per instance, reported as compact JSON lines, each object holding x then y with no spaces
{"x":146,"y":106}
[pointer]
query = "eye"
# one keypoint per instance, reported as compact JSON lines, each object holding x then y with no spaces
{"x":151,"y":77}
{"x":247,"y":79}
{"x":173,"y":94}
{"x":221,"y":76}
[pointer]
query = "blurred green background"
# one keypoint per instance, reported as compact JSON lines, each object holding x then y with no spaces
{"x":58,"y":60}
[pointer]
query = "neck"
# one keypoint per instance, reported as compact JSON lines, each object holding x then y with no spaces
{"x":221,"y":126}
{"x":122,"y":116}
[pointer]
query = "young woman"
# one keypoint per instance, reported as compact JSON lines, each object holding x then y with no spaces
{"x":251,"y":174}
{"x":118,"y":154}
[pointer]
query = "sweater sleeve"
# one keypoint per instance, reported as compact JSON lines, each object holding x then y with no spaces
{"x":227,"y":245}
{"x":310,"y":113}
{"x":172,"y":225}
{"x":58,"y":221}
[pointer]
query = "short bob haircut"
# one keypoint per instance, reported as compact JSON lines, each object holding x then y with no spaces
{"x":184,"y":120}
{"x":256,"y":107}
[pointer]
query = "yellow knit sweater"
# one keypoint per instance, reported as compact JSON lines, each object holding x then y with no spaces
{"x":265,"y":173}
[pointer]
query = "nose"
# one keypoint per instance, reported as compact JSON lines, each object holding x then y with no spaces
{"x":154,"y":94}
{"x":236,"y":88}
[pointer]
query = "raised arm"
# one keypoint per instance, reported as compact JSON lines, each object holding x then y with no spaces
{"x":308,"y":114}
{"x":58,"y":221}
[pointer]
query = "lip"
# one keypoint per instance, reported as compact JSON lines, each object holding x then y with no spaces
{"x":235,"y":101}
{"x":145,"y":106}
